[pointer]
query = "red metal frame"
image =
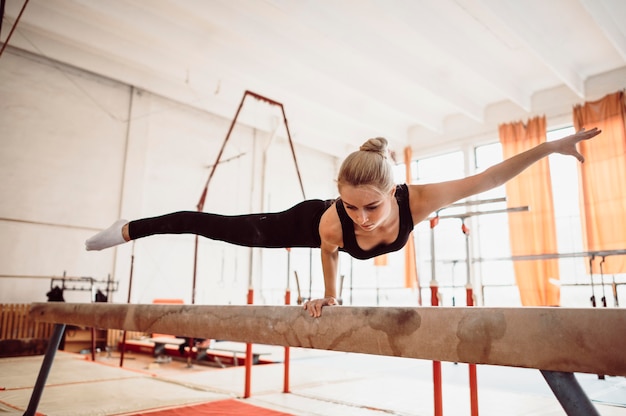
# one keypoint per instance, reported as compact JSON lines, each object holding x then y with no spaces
{"x":249,"y":353}
{"x":203,"y":196}
{"x":434,"y":301}
{"x":469,"y":301}
{"x":287,"y":351}
{"x":200,"y":207}
{"x":437,"y":380}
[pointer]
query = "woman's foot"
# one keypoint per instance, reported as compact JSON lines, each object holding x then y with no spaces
{"x":112,"y":236}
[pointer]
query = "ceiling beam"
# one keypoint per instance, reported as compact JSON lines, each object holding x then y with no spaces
{"x":518,"y":16}
{"x":437,"y":31}
{"x":57,"y":25}
{"x":373,"y":50}
{"x":610,"y":16}
{"x":309,"y":52}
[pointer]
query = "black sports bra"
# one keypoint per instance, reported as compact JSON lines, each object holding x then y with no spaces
{"x":350,"y":244}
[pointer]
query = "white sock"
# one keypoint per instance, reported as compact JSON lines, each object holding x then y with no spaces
{"x":110,"y":237}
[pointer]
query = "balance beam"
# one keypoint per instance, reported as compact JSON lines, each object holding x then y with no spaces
{"x":552,"y":339}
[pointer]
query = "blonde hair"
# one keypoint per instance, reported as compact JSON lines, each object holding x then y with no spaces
{"x":368,"y":166}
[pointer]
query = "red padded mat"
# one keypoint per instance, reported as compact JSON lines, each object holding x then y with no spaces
{"x":230,"y":407}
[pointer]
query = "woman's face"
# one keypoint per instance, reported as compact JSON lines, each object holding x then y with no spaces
{"x":366,"y":206}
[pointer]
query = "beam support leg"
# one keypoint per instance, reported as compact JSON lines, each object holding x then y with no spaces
{"x":53,"y":346}
{"x":569,"y":393}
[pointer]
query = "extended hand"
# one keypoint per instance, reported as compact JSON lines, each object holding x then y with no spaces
{"x":314,"y":306}
{"x":567,"y":145}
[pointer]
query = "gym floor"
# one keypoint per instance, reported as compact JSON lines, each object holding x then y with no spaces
{"x":321,"y":383}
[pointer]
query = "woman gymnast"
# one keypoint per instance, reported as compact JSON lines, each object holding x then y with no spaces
{"x":372,"y":215}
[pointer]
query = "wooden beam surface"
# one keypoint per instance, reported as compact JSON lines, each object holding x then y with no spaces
{"x":557,"y":339}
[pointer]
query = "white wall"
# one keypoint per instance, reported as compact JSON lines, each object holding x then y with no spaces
{"x":79,"y":151}
{"x":63,"y":142}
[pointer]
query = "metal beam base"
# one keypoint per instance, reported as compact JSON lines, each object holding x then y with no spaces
{"x":569,"y":393}
{"x":53,"y":346}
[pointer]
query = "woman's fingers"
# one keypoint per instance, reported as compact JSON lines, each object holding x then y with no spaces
{"x":314,"y":306}
{"x":588,"y":134}
{"x":568,"y":145}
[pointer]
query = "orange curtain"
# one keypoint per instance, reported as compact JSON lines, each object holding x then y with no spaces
{"x":603,"y":177}
{"x":411,"y":279}
{"x":380,"y":260}
{"x":532,"y":232}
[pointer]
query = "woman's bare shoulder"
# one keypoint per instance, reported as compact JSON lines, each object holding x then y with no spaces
{"x":424,"y":200}
{"x":330,"y":227}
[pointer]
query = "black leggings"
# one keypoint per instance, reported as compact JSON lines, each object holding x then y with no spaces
{"x":296,"y":227}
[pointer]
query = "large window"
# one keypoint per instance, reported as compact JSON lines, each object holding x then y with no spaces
{"x":574,"y":280}
{"x":494,"y":270}
{"x":447,"y":237}
{"x":488,"y":238}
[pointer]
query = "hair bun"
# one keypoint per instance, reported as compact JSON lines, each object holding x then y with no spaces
{"x":375,"y":145}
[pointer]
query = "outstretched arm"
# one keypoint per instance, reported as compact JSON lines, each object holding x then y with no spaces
{"x":426,"y":199}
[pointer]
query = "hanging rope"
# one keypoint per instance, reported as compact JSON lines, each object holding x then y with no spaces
{"x":6,"y":42}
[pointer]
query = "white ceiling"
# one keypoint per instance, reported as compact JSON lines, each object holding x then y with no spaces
{"x":345,"y":70}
